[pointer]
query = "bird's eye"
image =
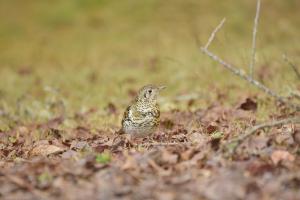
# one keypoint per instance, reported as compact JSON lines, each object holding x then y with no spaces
{"x":148,"y":93}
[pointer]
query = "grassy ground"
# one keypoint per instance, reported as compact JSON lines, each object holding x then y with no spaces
{"x":92,"y":52}
{"x":64,"y":58}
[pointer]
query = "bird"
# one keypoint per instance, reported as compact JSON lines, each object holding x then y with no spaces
{"x":141,"y":118}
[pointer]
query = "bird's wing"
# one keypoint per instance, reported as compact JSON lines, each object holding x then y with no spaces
{"x":133,"y":115}
{"x":137,"y":116}
{"x":154,"y":113}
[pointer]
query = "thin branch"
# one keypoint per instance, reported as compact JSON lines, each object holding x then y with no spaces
{"x":256,"y":83}
{"x":294,"y":67}
{"x":252,"y":61}
{"x":213,"y":34}
{"x":250,"y":79}
{"x":166,"y":143}
{"x":254,"y":129}
{"x":240,"y":73}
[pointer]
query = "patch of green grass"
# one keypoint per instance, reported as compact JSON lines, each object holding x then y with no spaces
{"x":93,"y":53}
{"x":103,"y":158}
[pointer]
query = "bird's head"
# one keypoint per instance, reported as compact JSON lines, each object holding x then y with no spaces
{"x":148,"y":94}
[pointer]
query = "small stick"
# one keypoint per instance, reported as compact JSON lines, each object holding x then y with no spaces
{"x":166,"y":143}
{"x":240,"y":73}
{"x":294,"y":67}
{"x":252,"y":61}
{"x":213,"y":34}
{"x":253,"y":129}
{"x":256,"y":83}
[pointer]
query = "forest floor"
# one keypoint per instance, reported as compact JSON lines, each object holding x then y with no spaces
{"x":190,"y":157}
{"x":68,"y":70}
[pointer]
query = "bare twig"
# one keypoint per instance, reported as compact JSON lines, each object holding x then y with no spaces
{"x":294,"y":67}
{"x":253,"y":53}
{"x":166,"y":143}
{"x":213,"y":34}
{"x":256,"y":83}
{"x":254,"y":129}
{"x":249,"y":78}
{"x":241,"y":74}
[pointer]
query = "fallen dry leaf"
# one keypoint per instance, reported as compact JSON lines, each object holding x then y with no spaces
{"x":186,"y":155}
{"x":168,"y":157}
{"x":45,"y":150}
{"x":249,"y":104}
{"x":211,"y":128}
{"x":296,"y":136}
{"x":186,"y":163}
{"x":198,"y":138}
{"x":281,"y":155}
{"x":130,"y":163}
{"x":258,"y":168}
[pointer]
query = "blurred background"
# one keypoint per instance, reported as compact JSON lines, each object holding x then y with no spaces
{"x":70,"y":56}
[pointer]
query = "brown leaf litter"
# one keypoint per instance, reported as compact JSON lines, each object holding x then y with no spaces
{"x":184,"y":159}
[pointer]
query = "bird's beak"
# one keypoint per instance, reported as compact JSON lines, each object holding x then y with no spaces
{"x":161,"y":87}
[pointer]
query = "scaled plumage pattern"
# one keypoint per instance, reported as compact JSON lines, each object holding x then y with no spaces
{"x":141,"y":118}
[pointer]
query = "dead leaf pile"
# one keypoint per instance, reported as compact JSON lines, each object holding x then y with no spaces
{"x":184,"y":159}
